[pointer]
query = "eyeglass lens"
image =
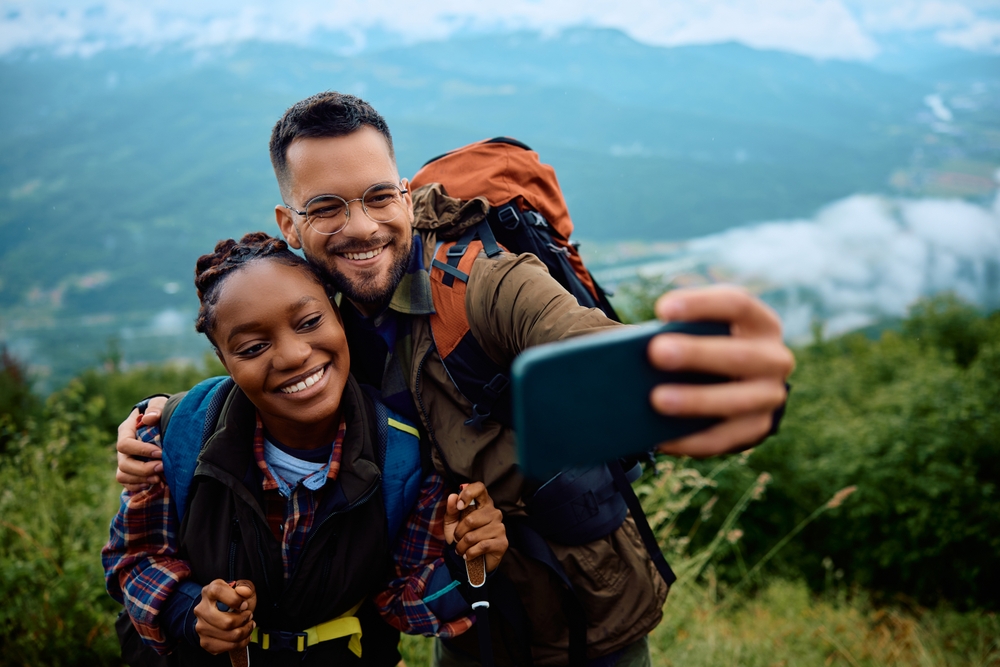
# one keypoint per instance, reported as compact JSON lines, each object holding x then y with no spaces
{"x":328,"y":214}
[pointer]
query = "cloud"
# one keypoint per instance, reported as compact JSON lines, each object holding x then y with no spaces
{"x":858,"y":259}
{"x":819,"y":28}
{"x":913,"y":15}
{"x":981,"y":35}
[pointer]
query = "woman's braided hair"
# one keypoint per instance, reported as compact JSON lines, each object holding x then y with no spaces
{"x":229,"y":256}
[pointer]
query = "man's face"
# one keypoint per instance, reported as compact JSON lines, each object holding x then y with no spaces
{"x":367,"y":259}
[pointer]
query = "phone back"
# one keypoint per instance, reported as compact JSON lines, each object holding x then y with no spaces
{"x":586,"y":400}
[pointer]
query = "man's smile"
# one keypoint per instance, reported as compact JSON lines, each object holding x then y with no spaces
{"x":357,"y":256}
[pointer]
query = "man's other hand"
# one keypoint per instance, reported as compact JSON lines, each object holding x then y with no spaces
{"x":134,"y":473}
{"x":754,"y":356}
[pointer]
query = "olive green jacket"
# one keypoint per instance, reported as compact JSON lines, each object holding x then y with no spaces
{"x":512,"y":303}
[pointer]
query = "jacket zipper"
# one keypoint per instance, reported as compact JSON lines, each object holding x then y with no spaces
{"x":357,"y":503}
{"x":235,"y":537}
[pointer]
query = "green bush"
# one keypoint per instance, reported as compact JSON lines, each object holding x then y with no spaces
{"x":912,"y":419}
{"x":58,"y":498}
{"x":17,"y":404}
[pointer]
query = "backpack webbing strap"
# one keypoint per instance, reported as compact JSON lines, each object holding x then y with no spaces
{"x":482,"y":609}
{"x":532,"y":544}
{"x":451,"y":271}
{"x":639,"y":516}
{"x":190,"y":425}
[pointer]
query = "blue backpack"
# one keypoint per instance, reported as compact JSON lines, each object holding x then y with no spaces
{"x":188,"y":428}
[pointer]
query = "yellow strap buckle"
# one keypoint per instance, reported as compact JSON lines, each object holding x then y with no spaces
{"x":345,"y":625}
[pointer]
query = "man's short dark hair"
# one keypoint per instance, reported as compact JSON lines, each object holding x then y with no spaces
{"x":328,"y":114}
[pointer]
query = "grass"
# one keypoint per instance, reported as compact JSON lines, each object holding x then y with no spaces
{"x":784,"y":625}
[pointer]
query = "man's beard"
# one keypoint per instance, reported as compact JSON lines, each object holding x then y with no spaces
{"x":364,"y":289}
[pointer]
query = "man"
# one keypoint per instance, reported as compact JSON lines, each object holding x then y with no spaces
{"x":333,"y":144}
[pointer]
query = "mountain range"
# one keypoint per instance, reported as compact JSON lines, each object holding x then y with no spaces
{"x":119,"y":169}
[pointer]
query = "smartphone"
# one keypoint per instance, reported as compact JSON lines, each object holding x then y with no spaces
{"x":585,"y":400}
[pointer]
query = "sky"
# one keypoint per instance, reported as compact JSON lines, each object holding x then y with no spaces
{"x":841,"y":29}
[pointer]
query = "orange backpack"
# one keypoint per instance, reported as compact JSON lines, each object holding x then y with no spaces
{"x":527,"y":214}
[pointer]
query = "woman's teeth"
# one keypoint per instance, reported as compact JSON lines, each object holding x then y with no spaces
{"x":303,"y":384}
{"x":363,"y":255}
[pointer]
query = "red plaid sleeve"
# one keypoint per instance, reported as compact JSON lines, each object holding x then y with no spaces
{"x":141,"y":568}
{"x":420,"y":574}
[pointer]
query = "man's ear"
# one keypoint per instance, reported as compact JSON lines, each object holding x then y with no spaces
{"x":287,"y":226}
{"x":408,"y":197}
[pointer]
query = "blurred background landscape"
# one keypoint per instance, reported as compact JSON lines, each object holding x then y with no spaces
{"x":839,"y":158}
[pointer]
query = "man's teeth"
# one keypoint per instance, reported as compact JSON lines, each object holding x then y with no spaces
{"x":363,"y":255}
{"x":302,"y":384}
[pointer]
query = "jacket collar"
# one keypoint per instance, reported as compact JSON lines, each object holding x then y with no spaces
{"x":228,"y":455}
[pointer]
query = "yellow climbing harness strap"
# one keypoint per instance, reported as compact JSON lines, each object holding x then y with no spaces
{"x":345,"y":625}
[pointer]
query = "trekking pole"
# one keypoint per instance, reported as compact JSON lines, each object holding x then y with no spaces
{"x":238,"y":657}
{"x":475,"y":570}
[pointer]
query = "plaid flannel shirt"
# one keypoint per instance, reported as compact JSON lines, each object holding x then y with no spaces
{"x":142,"y":569}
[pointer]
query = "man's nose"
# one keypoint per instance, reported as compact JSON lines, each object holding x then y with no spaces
{"x":359,"y":225}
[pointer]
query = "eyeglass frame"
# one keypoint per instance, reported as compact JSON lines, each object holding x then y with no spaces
{"x":347,"y":206}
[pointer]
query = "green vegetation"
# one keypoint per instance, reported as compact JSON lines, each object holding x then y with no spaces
{"x":782,"y":560}
{"x":911,"y":419}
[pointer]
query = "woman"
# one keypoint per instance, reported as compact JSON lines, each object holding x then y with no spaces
{"x":285,"y":497}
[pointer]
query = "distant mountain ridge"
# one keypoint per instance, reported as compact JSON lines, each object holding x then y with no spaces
{"x":129,"y":164}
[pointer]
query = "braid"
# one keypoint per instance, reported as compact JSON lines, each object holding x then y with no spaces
{"x":229,"y":256}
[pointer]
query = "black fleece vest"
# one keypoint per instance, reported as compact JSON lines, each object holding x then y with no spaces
{"x":224,"y":535}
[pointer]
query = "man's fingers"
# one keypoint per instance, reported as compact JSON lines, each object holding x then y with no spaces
{"x":132,"y":446}
{"x":721,"y":355}
{"x":748,"y":315}
{"x":135,"y":471}
{"x":732,"y":435}
{"x":154,"y":409}
{"x":728,"y":399}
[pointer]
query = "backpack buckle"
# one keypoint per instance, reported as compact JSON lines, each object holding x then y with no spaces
{"x":281,"y":640}
{"x":508,"y":216}
{"x":481,"y":411}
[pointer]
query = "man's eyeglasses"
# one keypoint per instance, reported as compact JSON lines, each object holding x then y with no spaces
{"x":329,"y":214}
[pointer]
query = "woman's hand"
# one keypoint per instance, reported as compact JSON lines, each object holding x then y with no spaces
{"x":481,"y":532}
{"x":221,"y":631}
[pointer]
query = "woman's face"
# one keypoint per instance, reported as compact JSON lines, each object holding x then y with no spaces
{"x":283,"y":342}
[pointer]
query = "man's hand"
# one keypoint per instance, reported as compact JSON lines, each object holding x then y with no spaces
{"x":481,"y":532}
{"x":754,"y":356}
{"x":219,"y":630}
{"x":133,"y":473}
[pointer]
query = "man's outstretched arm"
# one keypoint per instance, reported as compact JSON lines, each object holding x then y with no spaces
{"x":135,"y":473}
{"x":515,"y":304}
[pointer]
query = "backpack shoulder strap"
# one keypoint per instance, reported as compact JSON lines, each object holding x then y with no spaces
{"x":474,"y":373}
{"x":401,"y":460}
{"x":186,"y":428}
